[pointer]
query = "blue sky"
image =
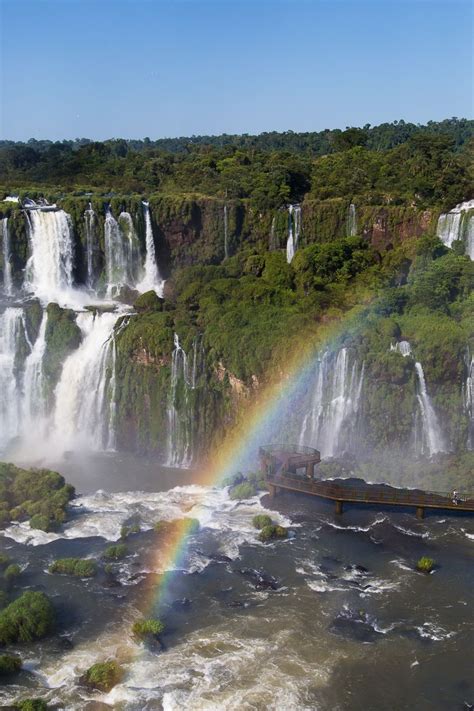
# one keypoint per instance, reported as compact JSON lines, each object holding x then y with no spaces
{"x":135,"y":68}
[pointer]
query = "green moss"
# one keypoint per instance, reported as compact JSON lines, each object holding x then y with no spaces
{"x":116,"y":552}
{"x":147,"y":627}
{"x":149,"y":301}
{"x":243,"y":491}
{"x":129,"y":529}
{"x":9,"y":664}
{"x":62,"y":337}
{"x":425,"y":564}
{"x":32,"y":705}
{"x":272,"y":532}
{"x":78,"y":567}
{"x":261,"y":521}
{"x":103,"y":675}
{"x":12,"y":572}
{"x":29,"y":617}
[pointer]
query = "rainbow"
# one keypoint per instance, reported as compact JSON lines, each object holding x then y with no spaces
{"x":240,"y":448}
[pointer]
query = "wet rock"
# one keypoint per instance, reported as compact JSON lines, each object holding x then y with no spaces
{"x":182,"y":604}
{"x":236,"y":603}
{"x":354,"y":625}
{"x":261,"y":580}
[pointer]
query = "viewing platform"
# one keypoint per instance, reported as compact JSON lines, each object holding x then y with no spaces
{"x":291,"y":468}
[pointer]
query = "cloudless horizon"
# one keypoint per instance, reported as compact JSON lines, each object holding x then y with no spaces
{"x":166,"y":68}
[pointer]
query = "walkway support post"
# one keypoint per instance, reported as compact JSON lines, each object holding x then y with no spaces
{"x":420,"y":512}
{"x":339,"y":507}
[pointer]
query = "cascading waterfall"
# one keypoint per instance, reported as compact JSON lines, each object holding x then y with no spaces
{"x":180,"y":433}
{"x":402,"y":347}
{"x":82,"y":412}
{"x":90,"y":219}
{"x":152,"y":278}
{"x":48,"y":271}
{"x":331,"y":420}
{"x":352,"y":221}
{"x":294,"y":229}
{"x":272,"y":244}
{"x":121,"y":252}
{"x":469,"y":400}
{"x":11,"y":327}
{"x":226,"y":233}
{"x":33,"y":404}
{"x":7,"y":267}
{"x":458,"y":224}
{"x":432,"y":437}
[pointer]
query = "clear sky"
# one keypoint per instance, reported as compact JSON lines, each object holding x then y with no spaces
{"x":135,"y":68}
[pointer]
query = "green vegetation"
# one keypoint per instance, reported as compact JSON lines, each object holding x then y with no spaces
{"x":115,"y":552}
{"x":261,"y":521}
{"x":32,"y":705}
{"x":129,"y":529}
{"x":148,"y":301}
{"x":147,"y":627}
{"x":425,"y":564}
{"x":243,"y":491}
{"x":103,"y":675}
{"x":9,"y":664}
{"x":12,"y":572}
{"x":272,"y":532}
{"x":78,"y":567}
{"x":38,"y":494}
{"x":29,"y":617}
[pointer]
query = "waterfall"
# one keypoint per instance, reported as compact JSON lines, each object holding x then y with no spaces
{"x":294,"y":229}
{"x":11,"y":326}
{"x":352,"y":221}
{"x":226,"y":233}
{"x":121,"y":252}
{"x":151,"y":278}
{"x":179,"y":440}
{"x":331,"y":420}
{"x":90,"y":220}
{"x":272,"y":244}
{"x":49,"y":268}
{"x":402,"y":347}
{"x":458,"y":224}
{"x":7,"y":267}
{"x":432,"y":438}
{"x":469,"y":401}
{"x":33,"y":405}
{"x":82,"y":411}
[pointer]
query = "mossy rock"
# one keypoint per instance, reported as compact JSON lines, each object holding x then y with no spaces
{"x":271,"y":533}
{"x":261,"y":521}
{"x":425,"y":564}
{"x":146,"y":628}
{"x":129,"y":529}
{"x":149,"y":301}
{"x":9,"y":664}
{"x":103,"y":675}
{"x":243,"y":491}
{"x":29,"y":617}
{"x":32,"y":705}
{"x":116,"y":552}
{"x":77,"y":567}
{"x":12,"y":572}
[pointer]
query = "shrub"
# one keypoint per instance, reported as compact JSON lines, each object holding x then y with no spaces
{"x":243,"y":491}
{"x":103,"y":675}
{"x":9,"y":664}
{"x":29,"y":617}
{"x":147,"y":627}
{"x":79,"y":567}
{"x":425,"y":564}
{"x":269,"y":533}
{"x":261,"y":521}
{"x":12,"y":572}
{"x":148,"y":301}
{"x":4,"y":558}
{"x":32,"y":705}
{"x":128,"y":529}
{"x":42,"y":523}
{"x":116,"y":552}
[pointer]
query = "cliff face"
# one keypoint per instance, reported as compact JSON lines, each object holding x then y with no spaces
{"x":198,"y":230}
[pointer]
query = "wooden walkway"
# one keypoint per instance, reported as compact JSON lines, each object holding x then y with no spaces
{"x":292,"y":469}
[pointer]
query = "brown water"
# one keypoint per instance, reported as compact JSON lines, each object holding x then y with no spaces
{"x":333,"y":618}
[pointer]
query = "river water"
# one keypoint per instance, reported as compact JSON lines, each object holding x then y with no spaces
{"x":333,"y":618}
